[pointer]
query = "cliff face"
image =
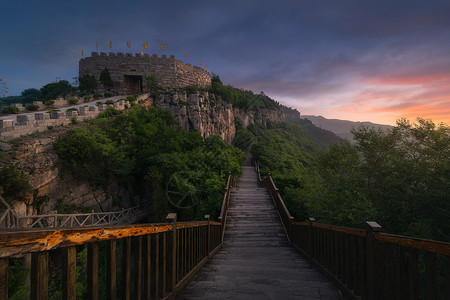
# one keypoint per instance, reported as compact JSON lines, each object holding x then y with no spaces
{"x":37,"y":158}
{"x":211,"y":115}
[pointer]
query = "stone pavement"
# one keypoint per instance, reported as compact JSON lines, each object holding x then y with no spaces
{"x":256,"y":261}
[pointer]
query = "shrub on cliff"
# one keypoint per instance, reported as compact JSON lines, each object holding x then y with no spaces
{"x":11,"y":110}
{"x":105,"y":79}
{"x":32,"y":107}
{"x":14,"y":182}
{"x":73,"y":101}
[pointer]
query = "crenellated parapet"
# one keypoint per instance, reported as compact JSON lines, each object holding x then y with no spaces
{"x":128,"y":71}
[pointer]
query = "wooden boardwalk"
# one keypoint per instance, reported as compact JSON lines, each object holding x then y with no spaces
{"x":256,"y":260}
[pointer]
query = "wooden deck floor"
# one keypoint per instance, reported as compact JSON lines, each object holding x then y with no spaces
{"x":256,"y":261}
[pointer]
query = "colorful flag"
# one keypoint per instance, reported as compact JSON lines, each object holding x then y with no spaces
{"x":110,"y":44}
{"x":200,"y":62}
{"x":129,"y":44}
{"x":187,"y":56}
{"x":162,"y":47}
{"x":142,"y":52}
{"x":206,"y":67}
{"x":82,"y":53}
{"x":145,"y":45}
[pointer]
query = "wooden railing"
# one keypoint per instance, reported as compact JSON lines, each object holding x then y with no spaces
{"x":9,"y":220}
{"x":231,"y":182}
{"x":369,"y":264}
{"x":156,"y":260}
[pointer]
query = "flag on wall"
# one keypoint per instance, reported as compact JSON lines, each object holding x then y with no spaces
{"x":129,"y":44}
{"x":82,"y":53}
{"x":142,"y":52}
{"x":187,"y":56}
{"x":145,"y":45}
{"x":200,"y":62}
{"x":206,"y":67}
{"x":162,"y":47}
{"x":110,"y":44}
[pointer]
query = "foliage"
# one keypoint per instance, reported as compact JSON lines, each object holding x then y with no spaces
{"x":87,"y":98}
{"x":55,"y":89}
{"x":109,"y":102}
{"x":73,"y":101}
{"x":11,"y":110}
{"x":98,"y":96}
{"x":243,"y":139}
{"x":14,"y":182}
{"x":105,"y":79}
{"x":399,"y":178}
{"x":31,"y":95}
{"x":243,"y":99}
{"x":152,"y":82}
{"x":49,"y":102}
{"x":88,"y":83}
{"x":17,"y":289}
{"x":32,"y":107}
{"x":108,"y":94}
{"x":144,"y":151}
{"x":109,"y":112}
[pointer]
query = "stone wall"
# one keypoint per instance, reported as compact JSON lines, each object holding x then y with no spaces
{"x":127,"y":71}
{"x":40,"y":121}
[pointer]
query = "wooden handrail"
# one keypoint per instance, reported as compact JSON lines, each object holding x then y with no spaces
{"x":226,"y":200}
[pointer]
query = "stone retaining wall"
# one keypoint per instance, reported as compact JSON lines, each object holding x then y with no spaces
{"x":40,"y":121}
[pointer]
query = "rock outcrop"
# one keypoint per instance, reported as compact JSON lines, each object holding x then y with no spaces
{"x":210,"y":115}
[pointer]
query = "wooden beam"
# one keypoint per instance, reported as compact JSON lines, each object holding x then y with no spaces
{"x":111,"y":271}
{"x":4,"y":264}
{"x":39,"y":275}
{"x":92,"y":271}
{"x":126,"y":268}
{"x":69,"y":289}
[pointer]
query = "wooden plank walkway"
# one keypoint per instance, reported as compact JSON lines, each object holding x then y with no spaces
{"x":256,"y":261}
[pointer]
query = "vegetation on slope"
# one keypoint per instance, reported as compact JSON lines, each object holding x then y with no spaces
{"x":144,"y":151}
{"x":398,"y":178}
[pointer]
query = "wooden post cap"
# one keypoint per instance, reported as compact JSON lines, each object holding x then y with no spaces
{"x":171,"y":217}
{"x":374,"y":226}
{"x":207,"y":217}
{"x":311,"y":220}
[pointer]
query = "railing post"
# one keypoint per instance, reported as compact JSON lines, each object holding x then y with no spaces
{"x":92,"y":217}
{"x":310,"y":237}
{"x":208,"y":219}
{"x":4,"y":264}
{"x":172,"y":252}
{"x":55,"y":223}
{"x":372,"y":227}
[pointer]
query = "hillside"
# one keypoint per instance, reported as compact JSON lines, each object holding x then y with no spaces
{"x":342,"y":128}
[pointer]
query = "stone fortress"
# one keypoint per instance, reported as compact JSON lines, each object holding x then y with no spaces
{"x":128,"y":71}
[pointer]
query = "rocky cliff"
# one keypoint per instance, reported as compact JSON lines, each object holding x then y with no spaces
{"x":210,"y":115}
{"x":36,"y":157}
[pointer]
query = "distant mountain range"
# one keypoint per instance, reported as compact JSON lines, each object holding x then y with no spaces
{"x":341,"y":127}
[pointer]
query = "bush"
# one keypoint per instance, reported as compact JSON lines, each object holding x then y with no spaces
{"x":87,"y":98}
{"x":108,"y":94}
{"x":109,"y":102}
{"x":74,"y":120}
{"x":72,"y":109}
{"x":73,"y":101}
{"x":14,"y":182}
{"x":49,"y":102}
{"x":98,"y":96}
{"x":99,"y":103}
{"x":11,"y":110}
{"x":131,"y":98}
{"x":32,"y":107}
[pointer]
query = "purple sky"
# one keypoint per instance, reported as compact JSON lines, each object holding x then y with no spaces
{"x":357,"y":60}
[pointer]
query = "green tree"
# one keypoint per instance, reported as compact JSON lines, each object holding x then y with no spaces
{"x":31,"y":95}
{"x":105,"y":79}
{"x":88,"y":83}
{"x":55,"y":89}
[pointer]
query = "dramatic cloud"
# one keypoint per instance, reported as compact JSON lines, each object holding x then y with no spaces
{"x":357,"y":60}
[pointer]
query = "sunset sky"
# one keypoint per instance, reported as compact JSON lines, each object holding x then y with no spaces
{"x":355,"y":60}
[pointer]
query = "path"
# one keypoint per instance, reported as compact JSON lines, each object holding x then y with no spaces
{"x":256,"y":260}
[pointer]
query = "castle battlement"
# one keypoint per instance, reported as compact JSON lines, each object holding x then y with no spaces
{"x":127,"y":71}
